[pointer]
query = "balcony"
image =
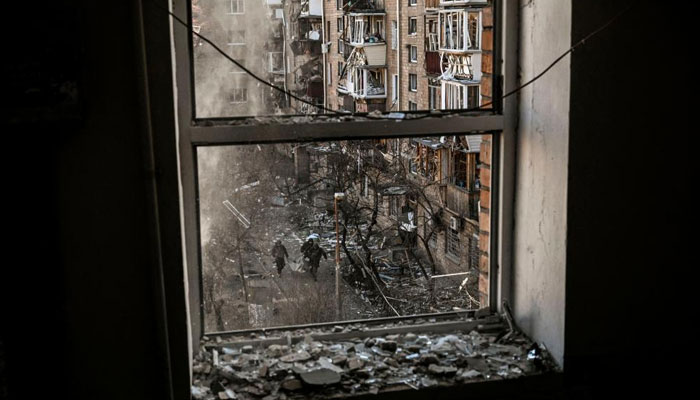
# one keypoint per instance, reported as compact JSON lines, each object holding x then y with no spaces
{"x":311,"y":9}
{"x":366,"y":83}
{"x":366,"y":29}
{"x":463,"y":202}
{"x":359,"y":6}
{"x":459,"y":31}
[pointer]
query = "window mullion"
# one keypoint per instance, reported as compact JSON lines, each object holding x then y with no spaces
{"x":233,"y":134}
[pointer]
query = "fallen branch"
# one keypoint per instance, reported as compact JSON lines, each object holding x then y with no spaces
{"x":374,"y":280}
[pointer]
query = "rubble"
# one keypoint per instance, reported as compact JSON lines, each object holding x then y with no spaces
{"x":353,"y":361}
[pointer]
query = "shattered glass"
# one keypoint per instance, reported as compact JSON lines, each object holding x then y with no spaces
{"x":362,"y":364}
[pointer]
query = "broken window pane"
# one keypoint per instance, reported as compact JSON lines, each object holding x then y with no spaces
{"x":291,"y":57}
{"x":412,"y":233}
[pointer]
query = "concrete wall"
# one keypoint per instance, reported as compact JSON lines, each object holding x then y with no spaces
{"x":541,"y":180}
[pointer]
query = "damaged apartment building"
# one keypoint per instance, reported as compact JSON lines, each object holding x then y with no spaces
{"x":279,"y":42}
{"x":118,"y":98}
{"x":390,"y":55}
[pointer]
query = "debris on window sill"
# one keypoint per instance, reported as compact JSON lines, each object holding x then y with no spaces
{"x":354,"y":359}
{"x":339,"y":117}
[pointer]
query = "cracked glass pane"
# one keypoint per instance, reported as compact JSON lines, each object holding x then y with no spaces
{"x":361,"y":60}
{"x":411,"y":235}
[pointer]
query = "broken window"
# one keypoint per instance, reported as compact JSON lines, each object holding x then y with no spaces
{"x":433,"y":97}
{"x":457,"y":95}
{"x":276,"y":62}
{"x":431,"y":33}
{"x":249,"y":195}
{"x":460,"y":30}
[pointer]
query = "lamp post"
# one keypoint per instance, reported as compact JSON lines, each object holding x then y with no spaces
{"x":336,"y":198}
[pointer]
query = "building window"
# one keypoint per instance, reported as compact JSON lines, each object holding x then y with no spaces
{"x":340,"y":25}
{"x":340,"y":69}
{"x":393,"y":208}
{"x":236,"y":7}
{"x":341,"y":46}
{"x":433,"y":98}
{"x":412,"y":25}
{"x":394,"y":35}
{"x":460,"y":30}
{"x":238,"y":95}
{"x":412,"y":3}
{"x":413,"y":54}
{"x":395,"y":87}
{"x":236,"y":37}
{"x":457,"y":95}
{"x":412,"y":106}
{"x":413,"y":82}
{"x":198,"y":137}
{"x":275,"y":62}
{"x":452,"y":247}
{"x":237,"y":70}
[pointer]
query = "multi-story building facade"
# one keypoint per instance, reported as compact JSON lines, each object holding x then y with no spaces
{"x":404,"y":55}
{"x":278,"y":41}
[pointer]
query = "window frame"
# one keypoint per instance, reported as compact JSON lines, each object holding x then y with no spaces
{"x":412,"y":54}
{"x":241,"y":7}
{"x":192,"y":132}
{"x":412,"y":82}
{"x":412,"y":21}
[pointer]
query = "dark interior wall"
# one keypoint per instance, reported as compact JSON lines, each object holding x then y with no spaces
{"x":79,"y":315}
{"x":628,"y":199}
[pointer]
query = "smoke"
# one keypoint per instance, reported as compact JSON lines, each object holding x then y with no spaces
{"x":214,"y":78}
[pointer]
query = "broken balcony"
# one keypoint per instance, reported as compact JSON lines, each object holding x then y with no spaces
{"x":363,"y":5}
{"x":456,"y":95}
{"x":367,"y":83}
{"x":311,"y":8}
{"x":464,"y":68}
{"x":366,"y":28}
{"x":460,"y":30}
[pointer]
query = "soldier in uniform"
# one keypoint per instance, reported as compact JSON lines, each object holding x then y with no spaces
{"x":279,"y":252}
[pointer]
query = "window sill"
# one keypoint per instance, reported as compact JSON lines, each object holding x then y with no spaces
{"x":440,"y":353}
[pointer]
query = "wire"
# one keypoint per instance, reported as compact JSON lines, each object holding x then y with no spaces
{"x":223,"y":53}
{"x":541,"y":74}
{"x":482,"y":107}
{"x":579,"y":43}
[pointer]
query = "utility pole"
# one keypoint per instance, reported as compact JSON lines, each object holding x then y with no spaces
{"x":336,"y":198}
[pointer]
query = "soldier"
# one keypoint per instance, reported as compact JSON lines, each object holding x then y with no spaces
{"x":315,"y":258}
{"x":305,"y":251}
{"x":279,"y":252}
